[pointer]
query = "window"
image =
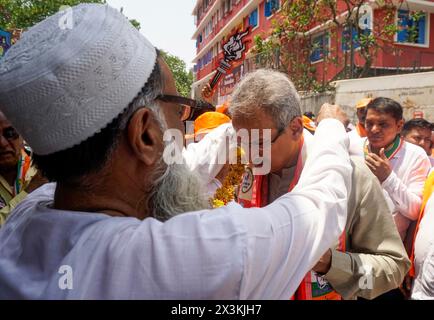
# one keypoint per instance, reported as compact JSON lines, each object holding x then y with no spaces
{"x":320,"y":47}
{"x":208,"y":29}
{"x":205,"y":59}
{"x":412,"y":28}
{"x":227,"y":6}
{"x":348,"y":36}
{"x":253,"y":18}
{"x":271,"y":6}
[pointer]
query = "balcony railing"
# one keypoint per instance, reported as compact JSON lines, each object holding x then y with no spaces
{"x":221,"y":23}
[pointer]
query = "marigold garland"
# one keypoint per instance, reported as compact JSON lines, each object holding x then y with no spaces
{"x":226,"y":193}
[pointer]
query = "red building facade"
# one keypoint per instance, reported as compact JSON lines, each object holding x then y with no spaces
{"x":218,"y":19}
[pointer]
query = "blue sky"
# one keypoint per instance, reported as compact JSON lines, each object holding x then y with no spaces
{"x":168,"y":24}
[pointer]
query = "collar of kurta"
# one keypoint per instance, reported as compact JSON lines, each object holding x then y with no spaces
{"x":391,"y":151}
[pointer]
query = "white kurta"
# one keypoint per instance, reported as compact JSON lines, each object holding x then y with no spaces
{"x":207,"y":157}
{"x":404,"y":186}
{"x":226,"y":253}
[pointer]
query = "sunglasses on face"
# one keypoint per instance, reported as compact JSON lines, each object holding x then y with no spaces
{"x":190,"y":108}
{"x":10,"y":133}
{"x":260,"y":144}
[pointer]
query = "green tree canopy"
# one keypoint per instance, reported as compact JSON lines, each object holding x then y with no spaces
{"x":22,"y":14}
{"x":183,"y":77}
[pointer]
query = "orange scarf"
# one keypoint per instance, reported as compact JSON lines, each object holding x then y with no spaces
{"x":315,"y":287}
{"x":361,"y":130}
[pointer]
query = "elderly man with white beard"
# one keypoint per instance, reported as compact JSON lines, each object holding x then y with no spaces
{"x":93,"y":102}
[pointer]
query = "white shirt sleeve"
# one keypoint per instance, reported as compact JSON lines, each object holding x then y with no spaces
{"x":208,"y":156}
{"x":424,"y":284}
{"x":407,"y":197}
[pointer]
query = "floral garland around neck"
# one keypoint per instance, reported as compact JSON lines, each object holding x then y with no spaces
{"x":226,"y":193}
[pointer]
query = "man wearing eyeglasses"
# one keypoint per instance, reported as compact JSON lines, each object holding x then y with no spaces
{"x":370,"y":244}
{"x":18,"y":177}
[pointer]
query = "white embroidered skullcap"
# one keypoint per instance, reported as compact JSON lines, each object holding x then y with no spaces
{"x":72,"y":74}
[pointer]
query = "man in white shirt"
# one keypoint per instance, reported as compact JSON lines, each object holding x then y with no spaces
{"x":401,"y":167}
{"x":418,"y":132}
{"x":121,"y":223}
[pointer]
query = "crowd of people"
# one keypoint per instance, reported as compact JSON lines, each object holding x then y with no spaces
{"x":90,"y":208}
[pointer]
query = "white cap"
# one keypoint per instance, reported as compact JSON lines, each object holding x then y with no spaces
{"x":72,"y":74}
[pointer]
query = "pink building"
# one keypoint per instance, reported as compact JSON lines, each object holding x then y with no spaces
{"x":217,"y":19}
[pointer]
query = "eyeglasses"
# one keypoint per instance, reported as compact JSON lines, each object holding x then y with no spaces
{"x":191,"y":109}
{"x":10,"y":133}
{"x":260,"y":144}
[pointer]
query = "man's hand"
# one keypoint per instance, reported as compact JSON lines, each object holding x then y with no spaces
{"x":334,"y":112}
{"x":324,"y":264}
{"x":37,"y":181}
{"x":379,"y":165}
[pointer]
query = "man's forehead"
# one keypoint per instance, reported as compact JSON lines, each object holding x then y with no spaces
{"x":421,"y":131}
{"x":381,"y":116}
{"x":252,"y":123}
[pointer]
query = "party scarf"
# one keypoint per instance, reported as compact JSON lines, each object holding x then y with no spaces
{"x":23,"y":166}
{"x":254,"y":189}
{"x":390,"y":151}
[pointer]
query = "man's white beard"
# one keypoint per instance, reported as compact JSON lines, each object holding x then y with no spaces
{"x":177,"y":190}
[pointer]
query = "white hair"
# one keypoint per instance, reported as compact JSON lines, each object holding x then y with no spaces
{"x":175,"y":189}
{"x":267,"y":90}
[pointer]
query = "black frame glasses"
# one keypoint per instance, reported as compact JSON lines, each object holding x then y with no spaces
{"x":191,"y":108}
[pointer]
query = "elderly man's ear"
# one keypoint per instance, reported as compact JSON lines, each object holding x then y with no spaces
{"x":145,"y":136}
{"x":296,"y":126}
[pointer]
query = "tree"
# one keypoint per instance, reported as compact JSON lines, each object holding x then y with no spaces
{"x":183,"y":78}
{"x":135,"y":23}
{"x":22,"y":14}
{"x":293,"y":38}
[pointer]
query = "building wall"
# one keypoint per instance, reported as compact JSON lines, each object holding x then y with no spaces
{"x":263,"y":29}
{"x":408,"y":57}
{"x":415,"y":92}
{"x":392,"y":55}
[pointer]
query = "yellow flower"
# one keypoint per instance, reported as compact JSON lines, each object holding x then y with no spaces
{"x":217,"y":203}
{"x":226,"y":193}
